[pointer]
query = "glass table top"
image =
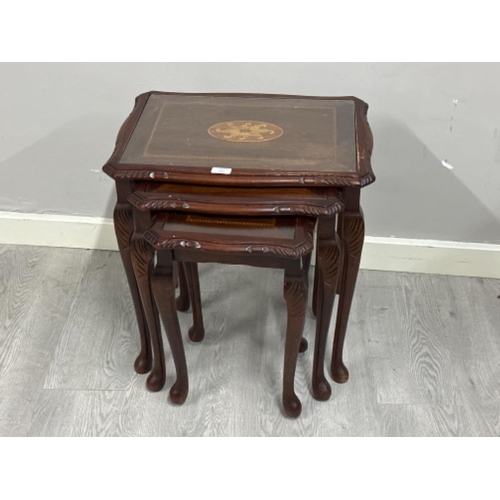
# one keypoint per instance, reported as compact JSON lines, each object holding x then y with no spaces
{"x":261,"y":133}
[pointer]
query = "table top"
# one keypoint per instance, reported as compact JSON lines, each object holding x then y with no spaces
{"x":246,"y":201}
{"x":290,"y":237}
{"x":245,"y":139}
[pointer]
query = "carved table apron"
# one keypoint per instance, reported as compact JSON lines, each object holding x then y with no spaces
{"x":336,"y":153}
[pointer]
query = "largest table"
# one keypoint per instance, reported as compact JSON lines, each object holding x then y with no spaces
{"x":257,"y":140}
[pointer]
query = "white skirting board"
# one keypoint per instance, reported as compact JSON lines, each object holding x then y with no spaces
{"x":384,"y":254}
{"x":45,"y":230}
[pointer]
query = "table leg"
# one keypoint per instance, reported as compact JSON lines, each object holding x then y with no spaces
{"x":351,"y":232}
{"x":197,"y":331}
{"x":163,"y":286}
{"x":182,"y":301}
{"x":316,"y":288}
{"x":124,"y":228}
{"x":306,"y":262}
{"x":142,"y":255}
{"x":295,"y":293}
{"x":328,"y":268}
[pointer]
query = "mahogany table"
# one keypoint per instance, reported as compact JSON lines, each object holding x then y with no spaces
{"x":253,"y":140}
{"x":272,"y":242}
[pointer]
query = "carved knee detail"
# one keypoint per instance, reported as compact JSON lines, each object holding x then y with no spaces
{"x":353,"y":233}
{"x":122,"y":218}
{"x":295,"y":293}
{"x":329,"y":261}
{"x":142,"y":256}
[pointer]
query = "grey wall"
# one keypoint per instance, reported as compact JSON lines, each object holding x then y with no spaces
{"x":58,"y":124}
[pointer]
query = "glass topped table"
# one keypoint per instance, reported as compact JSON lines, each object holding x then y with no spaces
{"x":258,"y":141}
{"x":231,"y":139}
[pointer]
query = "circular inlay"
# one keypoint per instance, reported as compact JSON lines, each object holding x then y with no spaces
{"x":245,"y":131}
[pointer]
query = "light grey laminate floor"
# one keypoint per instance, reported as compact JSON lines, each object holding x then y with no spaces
{"x":423,"y":353}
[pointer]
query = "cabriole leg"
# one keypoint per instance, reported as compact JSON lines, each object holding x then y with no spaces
{"x":164,"y":291}
{"x":295,"y":293}
{"x":197,"y":331}
{"x":182,"y":301}
{"x":142,"y":254}
{"x":351,"y":232}
{"x":124,"y":229}
{"x":328,"y":265}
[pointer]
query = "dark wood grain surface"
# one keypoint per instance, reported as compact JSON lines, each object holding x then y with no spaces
{"x":282,"y":236}
{"x":263,"y":241}
{"x":279,"y":141}
{"x":249,"y":139}
{"x":253,"y":133}
{"x":237,"y":201}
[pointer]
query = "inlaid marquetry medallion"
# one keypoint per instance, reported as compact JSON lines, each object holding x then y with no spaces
{"x":245,"y":131}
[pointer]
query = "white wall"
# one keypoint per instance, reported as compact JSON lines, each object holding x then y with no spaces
{"x":58,"y":124}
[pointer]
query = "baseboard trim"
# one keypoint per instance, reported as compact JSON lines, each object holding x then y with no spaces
{"x":69,"y":231}
{"x":381,"y":254}
{"x":431,"y":257}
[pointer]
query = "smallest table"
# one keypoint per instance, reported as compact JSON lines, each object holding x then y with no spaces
{"x":277,"y":242}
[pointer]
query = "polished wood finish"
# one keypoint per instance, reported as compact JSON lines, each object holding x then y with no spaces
{"x":328,"y":266}
{"x":164,"y":293}
{"x":269,"y":242}
{"x":201,"y":131}
{"x":142,"y":255}
{"x":124,"y":228}
{"x":317,"y":284}
{"x":351,"y":231}
{"x":295,"y":293}
{"x":260,"y":152}
{"x":197,"y":331}
{"x":182,"y":301}
{"x":237,"y":200}
{"x":352,"y":168}
{"x":142,"y":261}
{"x":280,"y":236}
